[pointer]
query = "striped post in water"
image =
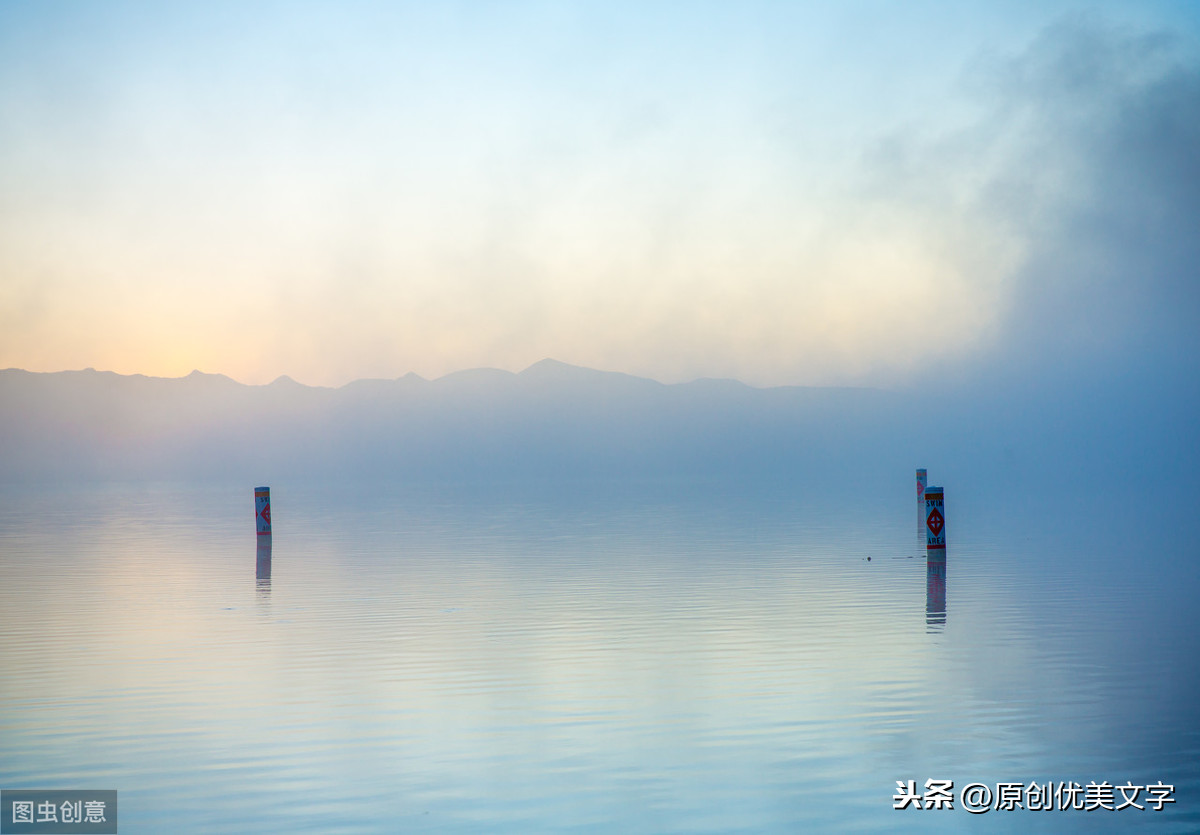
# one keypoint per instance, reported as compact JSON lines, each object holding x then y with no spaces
{"x":922,"y":480}
{"x":262,"y":510}
{"x":935,"y":556}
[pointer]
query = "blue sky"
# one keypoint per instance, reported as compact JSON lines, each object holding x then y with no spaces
{"x":782,"y":193}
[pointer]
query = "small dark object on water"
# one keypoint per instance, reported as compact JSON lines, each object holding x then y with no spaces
{"x":868,"y":559}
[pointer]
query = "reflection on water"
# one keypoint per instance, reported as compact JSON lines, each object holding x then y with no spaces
{"x":935,"y":592}
{"x":262,"y":566}
{"x":609,"y":660}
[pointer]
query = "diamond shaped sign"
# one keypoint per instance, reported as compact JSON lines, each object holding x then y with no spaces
{"x":935,"y":522}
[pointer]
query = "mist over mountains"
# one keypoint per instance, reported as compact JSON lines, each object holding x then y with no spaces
{"x":556,"y":421}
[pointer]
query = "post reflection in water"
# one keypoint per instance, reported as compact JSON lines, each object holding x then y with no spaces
{"x":262,"y":568}
{"x":935,"y":592}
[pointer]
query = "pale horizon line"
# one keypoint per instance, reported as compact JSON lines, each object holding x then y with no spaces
{"x":545,"y":362}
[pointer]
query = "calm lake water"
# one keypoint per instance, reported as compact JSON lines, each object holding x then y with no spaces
{"x":597,"y":658}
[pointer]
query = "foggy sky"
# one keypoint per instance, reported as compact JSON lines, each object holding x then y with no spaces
{"x":866,"y":194}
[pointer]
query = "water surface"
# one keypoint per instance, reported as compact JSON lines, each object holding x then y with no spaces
{"x":605,"y":657}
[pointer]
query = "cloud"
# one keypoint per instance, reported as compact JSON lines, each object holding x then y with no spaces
{"x":1084,"y":162}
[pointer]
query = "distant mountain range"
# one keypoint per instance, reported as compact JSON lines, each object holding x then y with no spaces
{"x":551,"y":420}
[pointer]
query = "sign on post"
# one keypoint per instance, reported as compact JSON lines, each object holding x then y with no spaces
{"x":262,"y":510}
{"x":935,"y":522}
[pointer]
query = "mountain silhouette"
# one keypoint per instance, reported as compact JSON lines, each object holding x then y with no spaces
{"x":559,"y":421}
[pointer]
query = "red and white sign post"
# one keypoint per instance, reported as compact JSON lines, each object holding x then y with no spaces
{"x":262,"y":510}
{"x":935,"y":524}
{"x":922,"y":480}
